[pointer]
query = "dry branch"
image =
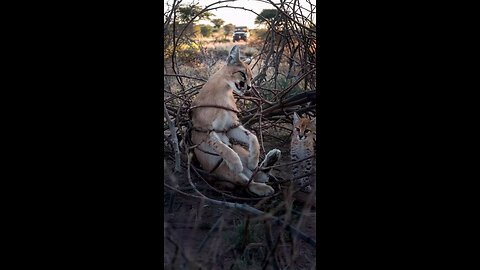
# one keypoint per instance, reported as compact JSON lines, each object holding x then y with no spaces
{"x":174,"y":140}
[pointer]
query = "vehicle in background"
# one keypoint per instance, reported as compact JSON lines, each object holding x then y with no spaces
{"x":241,"y":33}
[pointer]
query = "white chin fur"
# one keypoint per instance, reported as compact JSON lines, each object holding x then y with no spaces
{"x":240,"y":93}
{"x":235,"y":89}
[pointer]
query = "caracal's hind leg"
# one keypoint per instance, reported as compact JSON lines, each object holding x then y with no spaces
{"x":270,"y":159}
{"x":241,"y":179}
{"x":243,"y":135}
{"x":259,"y":189}
{"x":261,"y":176}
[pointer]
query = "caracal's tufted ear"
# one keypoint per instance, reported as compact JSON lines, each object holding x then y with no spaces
{"x":234,"y":56}
{"x":295,"y":118}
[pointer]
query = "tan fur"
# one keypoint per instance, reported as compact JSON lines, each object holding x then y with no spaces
{"x":302,"y":146}
{"x":238,"y":163}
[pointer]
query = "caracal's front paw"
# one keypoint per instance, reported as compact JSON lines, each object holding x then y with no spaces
{"x":236,"y":166}
{"x":260,"y":189}
{"x":252,"y":162}
{"x":261,"y":177}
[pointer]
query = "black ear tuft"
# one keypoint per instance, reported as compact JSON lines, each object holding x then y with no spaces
{"x":234,"y":56}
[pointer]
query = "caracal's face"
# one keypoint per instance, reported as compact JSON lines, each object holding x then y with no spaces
{"x":303,"y":127}
{"x":238,"y":73}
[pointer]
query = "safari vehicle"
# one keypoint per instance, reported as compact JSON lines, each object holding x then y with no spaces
{"x":241,"y":33}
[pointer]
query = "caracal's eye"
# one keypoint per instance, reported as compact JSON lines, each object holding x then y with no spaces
{"x":244,"y":77}
{"x":297,"y":129}
{"x":307,"y":130}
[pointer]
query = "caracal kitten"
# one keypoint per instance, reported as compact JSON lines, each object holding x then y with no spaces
{"x":303,"y":146}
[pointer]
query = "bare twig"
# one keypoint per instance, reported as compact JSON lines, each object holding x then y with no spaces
{"x":173,"y":133}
